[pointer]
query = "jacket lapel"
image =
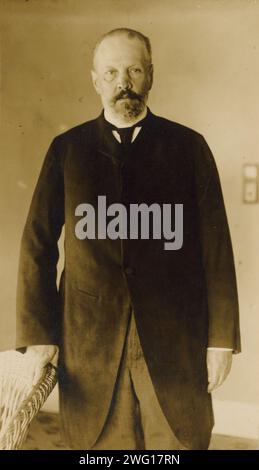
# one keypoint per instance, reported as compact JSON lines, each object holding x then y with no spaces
{"x":107,"y":144}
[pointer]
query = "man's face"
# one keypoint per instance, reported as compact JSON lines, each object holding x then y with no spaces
{"x":122,"y":76}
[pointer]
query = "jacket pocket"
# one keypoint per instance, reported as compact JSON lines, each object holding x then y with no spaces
{"x":94,"y":295}
{"x":90,"y":291}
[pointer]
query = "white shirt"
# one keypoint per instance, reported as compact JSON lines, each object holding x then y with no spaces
{"x":115,"y":123}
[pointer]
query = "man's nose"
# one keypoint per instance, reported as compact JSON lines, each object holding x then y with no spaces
{"x":124,"y":82}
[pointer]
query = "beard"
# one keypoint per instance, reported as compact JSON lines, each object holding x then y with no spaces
{"x":129,"y":105}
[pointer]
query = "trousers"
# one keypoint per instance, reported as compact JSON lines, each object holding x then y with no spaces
{"x":135,"y":420}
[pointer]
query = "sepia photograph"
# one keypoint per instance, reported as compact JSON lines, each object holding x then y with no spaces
{"x":129,"y":306}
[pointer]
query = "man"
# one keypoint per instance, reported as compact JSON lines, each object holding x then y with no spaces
{"x":144,"y":333}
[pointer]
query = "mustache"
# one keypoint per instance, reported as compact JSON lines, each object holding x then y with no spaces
{"x":124,"y":94}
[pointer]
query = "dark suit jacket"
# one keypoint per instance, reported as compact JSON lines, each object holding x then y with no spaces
{"x":184,"y":300}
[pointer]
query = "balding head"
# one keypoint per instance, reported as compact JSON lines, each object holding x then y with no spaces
{"x":129,"y":34}
{"x":123,"y":72}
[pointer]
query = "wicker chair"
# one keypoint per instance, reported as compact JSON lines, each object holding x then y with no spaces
{"x":20,"y":399}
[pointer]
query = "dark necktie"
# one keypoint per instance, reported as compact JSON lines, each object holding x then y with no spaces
{"x":125,"y":134}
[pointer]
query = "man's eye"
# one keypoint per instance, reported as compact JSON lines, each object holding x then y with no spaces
{"x":109,"y":75}
{"x":135,"y":71}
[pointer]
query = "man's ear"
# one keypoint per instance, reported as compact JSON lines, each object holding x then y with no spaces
{"x":150,"y":76}
{"x":95,"y":81}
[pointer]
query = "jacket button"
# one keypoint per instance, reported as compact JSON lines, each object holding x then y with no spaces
{"x":129,"y":271}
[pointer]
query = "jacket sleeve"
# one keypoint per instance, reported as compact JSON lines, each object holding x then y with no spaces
{"x":37,"y":312}
{"x":217,"y":253}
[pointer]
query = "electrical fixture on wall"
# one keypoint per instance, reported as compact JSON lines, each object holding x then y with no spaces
{"x":250,"y":183}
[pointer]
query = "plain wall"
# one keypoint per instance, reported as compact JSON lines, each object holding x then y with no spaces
{"x":206,"y":64}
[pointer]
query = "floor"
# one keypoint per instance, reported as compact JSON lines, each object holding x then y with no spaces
{"x":44,"y":435}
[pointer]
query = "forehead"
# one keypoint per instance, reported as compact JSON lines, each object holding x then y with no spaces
{"x":119,"y":49}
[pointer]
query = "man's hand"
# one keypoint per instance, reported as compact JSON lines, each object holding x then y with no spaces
{"x":42,"y":355}
{"x":219,"y":365}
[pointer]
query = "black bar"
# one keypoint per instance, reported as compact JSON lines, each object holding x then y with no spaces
{"x":109,"y":459}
